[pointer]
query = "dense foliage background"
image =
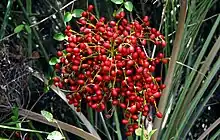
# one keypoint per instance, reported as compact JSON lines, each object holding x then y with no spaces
{"x":190,"y":104}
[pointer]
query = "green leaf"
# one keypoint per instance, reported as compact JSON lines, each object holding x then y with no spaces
{"x":27,"y":28}
{"x":138,"y":131}
{"x":15,"y":113}
{"x":46,"y":88}
{"x":64,"y":52}
{"x":50,"y":82}
{"x":54,"y":60}
{"x":59,"y":37}
{"x":19,"y":28}
{"x":77,"y":13}
{"x":117,"y":1}
{"x":55,"y":135}
{"x":13,"y":118}
{"x":128,"y":5}
{"x":151,"y":133}
{"x":67,"y":17}
{"x":47,"y":115}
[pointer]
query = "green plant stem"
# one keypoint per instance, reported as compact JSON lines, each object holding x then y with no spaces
{"x":91,"y":115}
{"x":37,"y":134}
{"x":59,"y":12}
{"x":117,"y":123}
{"x":22,"y":129}
{"x":172,"y":64}
{"x":34,"y":30}
{"x":29,"y":11}
{"x":5,"y":22}
{"x":96,"y":120}
{"x":139,"y":122}
{"x":105,"y":127}
{"x":60,"y":130}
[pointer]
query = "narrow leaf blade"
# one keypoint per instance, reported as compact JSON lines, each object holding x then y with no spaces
{"x":151,"y":133}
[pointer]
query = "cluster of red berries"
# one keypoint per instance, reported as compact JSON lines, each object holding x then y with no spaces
{"x":107,"y":62}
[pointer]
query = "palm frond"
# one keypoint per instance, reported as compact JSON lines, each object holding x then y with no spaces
{"x":186,"y":82}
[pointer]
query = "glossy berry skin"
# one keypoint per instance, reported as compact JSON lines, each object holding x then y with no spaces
{"x":159,"y":114}
{"x":124,"y":121}
{"x":90,"y":8}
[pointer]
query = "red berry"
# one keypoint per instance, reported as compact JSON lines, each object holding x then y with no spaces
{"x":94,"y":106}
{"x":159,"y":114}
{"x":115,"y":102}
{"x":59,"y":53}
{"x":84,"y":14}
{"x":124,"y":121}
{"x":145,"y":19}
{"x":69,"y":50}
{"x":128,"y":133}
{"x":157,"y":95}
{"x":56,"y":79}
{"x":162,"y":86}
{"x":163,"y":43}
{"x":112,"y":23}
{"x":122,"y":14}
{"x":164,"y":61}
{"x":122,"y":105}
{"x":132,"y":109}
{"x":90,"y":8}
{"x":152,"y":36}
{"x":80,"y":82}
{"x":134,"y":117}
{"x":153,"y":30}
{"x":68,"y":27}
